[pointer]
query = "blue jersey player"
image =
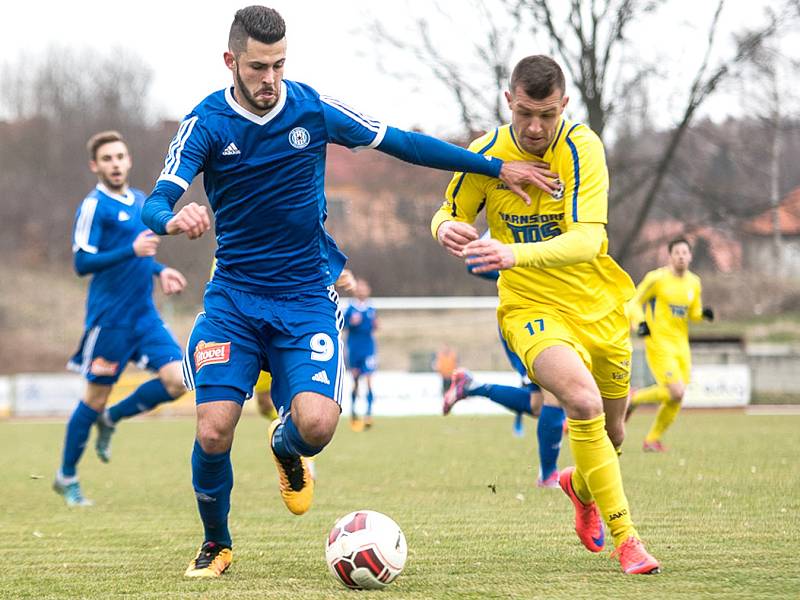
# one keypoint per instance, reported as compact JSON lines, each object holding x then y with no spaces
{"x":528,"y":398}
{"x":122,"y":324}
{"x":261,"y":145}
{"x":361,"y":321}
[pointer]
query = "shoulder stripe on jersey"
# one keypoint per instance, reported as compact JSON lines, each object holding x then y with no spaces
{"x":173,"y":160}
{"x":576,"y":166}
{"x":83,"y":226}
{"x":173,"y":145}
{"x":369,"y":123}
{"x":463,"y":175}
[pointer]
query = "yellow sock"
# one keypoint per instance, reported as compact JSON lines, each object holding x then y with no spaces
{"x":580,"y":488}
{"x":667,"y":413}
{"x":598,"y":464}
{"x":655,"y":394}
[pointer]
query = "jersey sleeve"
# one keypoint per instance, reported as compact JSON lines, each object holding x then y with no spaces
{"x":349,"y":127}
{"x":87,"y":232}
{"x":696,"y":307}
{"x":585,"y":177}
{"x":187,"y":153}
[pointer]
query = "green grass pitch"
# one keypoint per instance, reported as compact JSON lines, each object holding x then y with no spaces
{"x":721,"y":511}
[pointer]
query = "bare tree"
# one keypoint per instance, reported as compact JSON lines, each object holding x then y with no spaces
{"x":592,"y":40}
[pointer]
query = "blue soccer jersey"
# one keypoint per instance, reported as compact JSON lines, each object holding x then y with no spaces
{"x":359,"y":320}
{"x":264,"y":178}
{"x":121,"y":290}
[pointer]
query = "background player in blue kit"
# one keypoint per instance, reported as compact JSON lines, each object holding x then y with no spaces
{"x":361,"y":321}
{"x":528,"y":398}
{"x":122,"y":324}
{"x":261,"y":145}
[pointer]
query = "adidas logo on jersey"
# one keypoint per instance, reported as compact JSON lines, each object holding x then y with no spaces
{"x":321,"y":377}
{"x":123,"y":216}
{"x":230,"y":150}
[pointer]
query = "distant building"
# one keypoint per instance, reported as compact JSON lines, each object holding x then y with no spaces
{"x":758,"y":242}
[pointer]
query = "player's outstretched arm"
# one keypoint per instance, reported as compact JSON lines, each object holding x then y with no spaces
{"x":421,"y":149}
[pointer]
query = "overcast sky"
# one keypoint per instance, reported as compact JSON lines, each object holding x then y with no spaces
{"x":183,"y":42}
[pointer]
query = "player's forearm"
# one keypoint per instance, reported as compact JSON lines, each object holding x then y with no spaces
{"x":581,"y":243}
{"x":158,"y":267}
{"x":157,"y":210}
{"x":421,"y":149}
{"x":87,"y":263}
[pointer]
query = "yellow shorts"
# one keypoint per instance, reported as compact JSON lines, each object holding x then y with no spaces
{"x":604,"y":345}
{"x":668,"y":366}
{"x":264,"y":383}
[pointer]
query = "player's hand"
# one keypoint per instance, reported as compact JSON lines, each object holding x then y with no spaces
{"x":346,"y":281}
{"x":708,"y":313}
{"x":454,"y":235}
{"x":192,"y":220}
{"x":146,"y":244}
{"x":643,"y":330}
{"x":172,"y":281}
{"x":488,"y":255}
{"x":516,"y":174}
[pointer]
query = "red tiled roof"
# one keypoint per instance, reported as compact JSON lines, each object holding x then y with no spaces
{"x":788,"y":217}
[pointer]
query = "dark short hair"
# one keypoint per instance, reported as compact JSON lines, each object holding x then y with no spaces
{"x":677,"y":241}
{"x":103,"y":137}
{"x":538,"y":76}
{"x":262,"y":24}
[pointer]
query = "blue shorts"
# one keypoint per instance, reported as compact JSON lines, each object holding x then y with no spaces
{"x":364,"y":363}
{"x":518,"y":366}
{"x":293,"y":336}
{"x":105,"y":351}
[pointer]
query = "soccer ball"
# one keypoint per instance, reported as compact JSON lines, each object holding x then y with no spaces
{"x":366,"y":550}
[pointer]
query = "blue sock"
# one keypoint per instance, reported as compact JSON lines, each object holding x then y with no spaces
{"x":517,"y":399}
{"x":78,"y":428}
{"x":370,"y":398}
{"x":549,"y":432}
{"x":146,"y":397}
{"x":287,"y":441}
{"x":353,"y":397}
{"x":212,"y":478}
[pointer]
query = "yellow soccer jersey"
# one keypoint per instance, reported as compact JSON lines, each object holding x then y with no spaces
{"x":668,"y":303}
{"x":587,"y":291}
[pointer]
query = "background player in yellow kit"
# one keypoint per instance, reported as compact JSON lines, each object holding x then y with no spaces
{"x":666,"y":300}
{"x":562,"y":297}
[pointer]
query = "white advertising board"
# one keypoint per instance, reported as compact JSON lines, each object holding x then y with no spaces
{"x":718,"y":386}
{"x":40,"y":394}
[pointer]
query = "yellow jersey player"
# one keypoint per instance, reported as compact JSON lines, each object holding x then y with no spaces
{"x":562,"y":297}
{"x":666,"y":300}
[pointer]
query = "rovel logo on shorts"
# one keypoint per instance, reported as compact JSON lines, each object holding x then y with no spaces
{"x":103,"y":368}
{"x":211,"y":353}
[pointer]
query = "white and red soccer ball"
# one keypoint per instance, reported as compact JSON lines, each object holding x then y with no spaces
{"x":366,"y":550}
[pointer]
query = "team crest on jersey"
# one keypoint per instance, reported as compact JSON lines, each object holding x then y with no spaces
{"x":558,"y":193}
{"x":211,"y":353}
{"x":299,"y":137}
{"x":103,"y":368}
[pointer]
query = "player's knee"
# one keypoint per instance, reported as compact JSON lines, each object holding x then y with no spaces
{"x":175,"y":389}
{"x":676,"y":393}
{"x":213,"y":438}
{"x":317,"y":426}
{"x":582,"y":402}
